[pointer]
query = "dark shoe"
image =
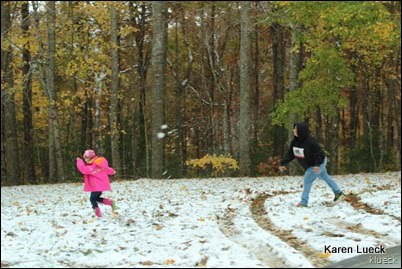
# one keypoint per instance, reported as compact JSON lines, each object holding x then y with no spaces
{"x":337,"y":196}
{"x":299,"y":204}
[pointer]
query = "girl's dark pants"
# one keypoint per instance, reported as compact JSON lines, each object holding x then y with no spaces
{"x":95,"y":198}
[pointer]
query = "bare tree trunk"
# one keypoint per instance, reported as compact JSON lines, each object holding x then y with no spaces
{"x":179,"y":123}
{"x":366,"y":99}
{"x":86,"y":124}
{"x":183,"y":129}
{"x":393,"y":78}
{"x":295,"y":65}
{"x":354,"y":113}
{"x":211,"y":60}
{"x":181,"y":84}
{"x":11,"y":150}
{"x":392,"y":103}
{"x":159,"y":51}
{"x":96,"y":123}
{"x":390,"y":115}
{"x":132,"y":86}
{"x":278,"y":48}
{"x":39,"y":65}
{"x":335,"y":143}
{"x":3,"y":156}
{"x":142,"y":154}
{"x":397,"y":104}
{"x":114,"y":124}
{"x":29,"y":167}
{"x":207,"y":80}
{"x":327,"y":134}
{"x":41,"y":74}
{"x":51,"y":92}
{"x":226,"y":128}
{"x":367,"y":111}
{"x":89,"y":133}
{"x":245,"y":89}
{"x":377,"y":119}
{"x":72,"y":130}
{"x":56,"y":170}
{"x":256,"y":90}
{"x":319,"y":133}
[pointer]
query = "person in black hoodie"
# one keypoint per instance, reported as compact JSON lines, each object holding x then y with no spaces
{"x":312,"y":158}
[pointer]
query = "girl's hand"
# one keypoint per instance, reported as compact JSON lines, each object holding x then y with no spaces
{"x":282,"y":168}
{"x":316,"y":169}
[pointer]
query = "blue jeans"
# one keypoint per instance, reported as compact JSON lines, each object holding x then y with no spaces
{"x":310,"y":176}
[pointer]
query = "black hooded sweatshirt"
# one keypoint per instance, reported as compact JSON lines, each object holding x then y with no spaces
{"x":304,"y":148}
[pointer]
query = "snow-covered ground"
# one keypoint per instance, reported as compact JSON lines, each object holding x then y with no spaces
{"x":217,"y":222}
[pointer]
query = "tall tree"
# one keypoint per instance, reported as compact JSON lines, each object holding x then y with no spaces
{"x":245,"y":88}
{"x":114,"y":125}
{"x":159,"y":52}
{"x":56,"y":170}
{"x":279,"y":57}
{"x":295,"y":66}
{"x":29,"y":168}
{"x":141,"y":144}
{"x":8,"y":104}
{"x":181,"y":83}
{"x":391,"y":82}
{"x":132,"y":86}
{"x":210,"y":49}
{"x":256,"y":99}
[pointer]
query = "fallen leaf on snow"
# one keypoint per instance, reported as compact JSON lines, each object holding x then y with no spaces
{"x":323,"y":255}
{"x":169,"y":261}
{"x":158,"y":227}
{"x":148,"y":263}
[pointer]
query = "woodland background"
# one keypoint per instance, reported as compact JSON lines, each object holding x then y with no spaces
{"x":160,"y":87}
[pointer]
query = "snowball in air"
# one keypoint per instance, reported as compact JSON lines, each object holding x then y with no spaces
{"x":160,"y":135}
{"x":164,"y":126}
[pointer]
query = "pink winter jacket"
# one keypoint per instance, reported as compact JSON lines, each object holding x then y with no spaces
{"x":95,"y":174}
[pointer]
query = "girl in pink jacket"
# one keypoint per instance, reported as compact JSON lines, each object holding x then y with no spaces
{"x":96,"y":173}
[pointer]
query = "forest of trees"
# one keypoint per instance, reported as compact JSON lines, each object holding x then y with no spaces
{"x":152,"y":85}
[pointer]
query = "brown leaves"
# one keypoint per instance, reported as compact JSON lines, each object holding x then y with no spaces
{"x":332,"y":234}
{"x":169,"y":261}
{"x":147,"y":263}
{"x":203,"y":262}
{"x":158,"y":227}
{"x":151,"y":263}
{"x":129,"y":222}
{"x":87,"y":221}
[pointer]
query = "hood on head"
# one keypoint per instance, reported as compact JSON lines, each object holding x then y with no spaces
{"x":302,"y":130}
{"x":89,"y":154}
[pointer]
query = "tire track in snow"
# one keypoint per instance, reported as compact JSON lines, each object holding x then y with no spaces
{"x":264,"y":253}
{"x":354,"y":200}
{"x":359,"y":229}
{"x":261,"y":217}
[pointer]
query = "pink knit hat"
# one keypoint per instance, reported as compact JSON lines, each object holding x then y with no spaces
{"x":89,"y":154}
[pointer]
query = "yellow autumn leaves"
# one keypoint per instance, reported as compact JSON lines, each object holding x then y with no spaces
{"x":219,"y":164}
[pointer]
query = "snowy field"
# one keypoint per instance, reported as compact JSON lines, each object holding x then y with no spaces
{"x":219,"y":222}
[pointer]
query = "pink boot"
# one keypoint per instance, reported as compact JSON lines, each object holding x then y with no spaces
{"x":110,"y":202}
{"x":98,"y":212}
